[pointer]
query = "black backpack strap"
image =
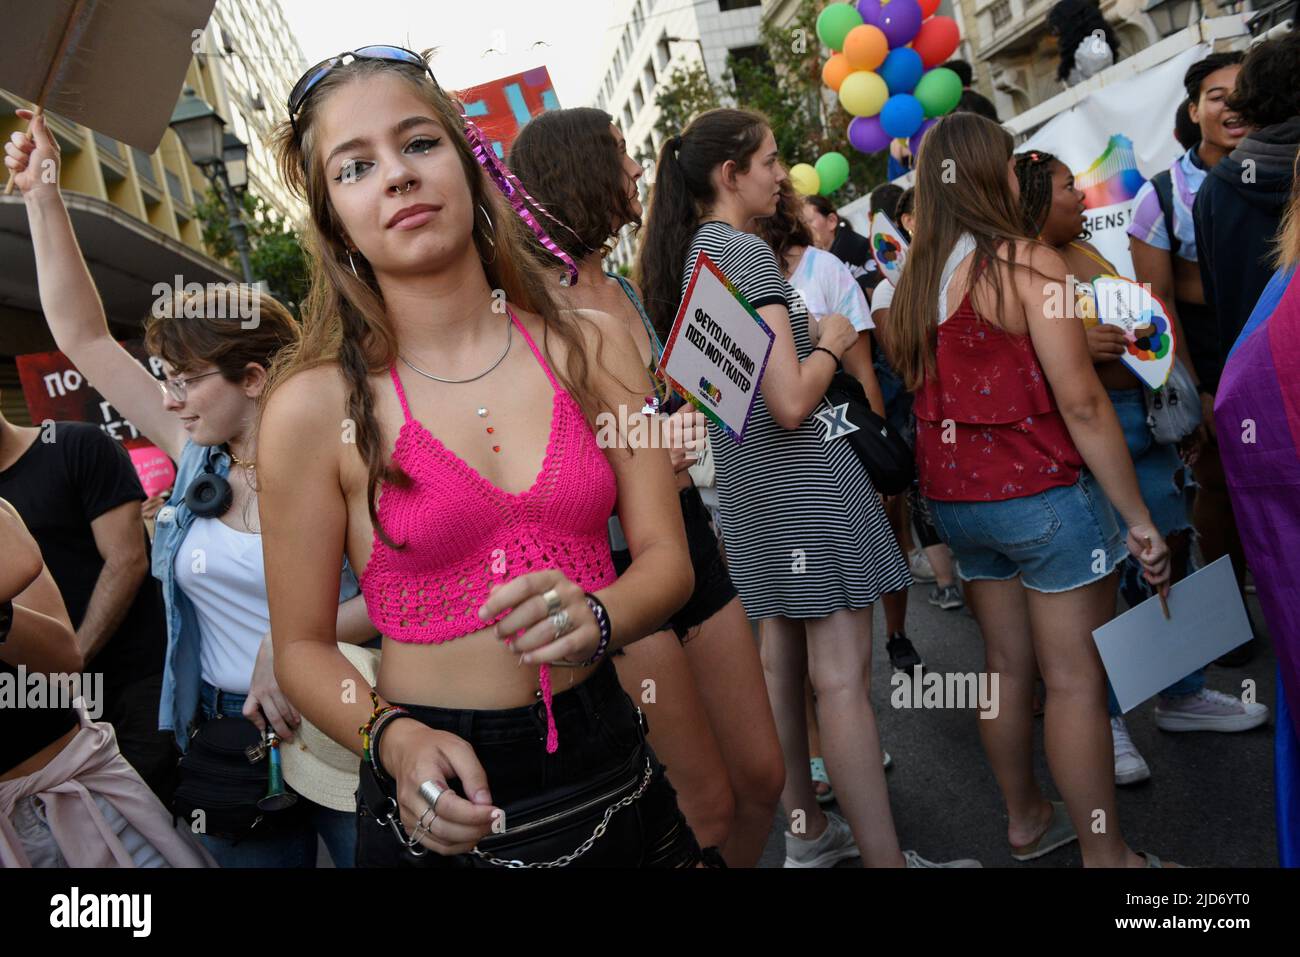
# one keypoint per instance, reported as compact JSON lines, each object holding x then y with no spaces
{"x":1163,"y":184}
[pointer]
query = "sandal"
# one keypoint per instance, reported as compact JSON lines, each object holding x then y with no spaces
{"x":1058,"y":833}
{"x":819,"y":776}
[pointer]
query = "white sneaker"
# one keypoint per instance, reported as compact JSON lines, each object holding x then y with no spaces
{"x":922,"y":571}
{"x":1209,"y":711}
{"x":1130,"y":768}
{"x":916,"y":860}
{"x":834,"y":845}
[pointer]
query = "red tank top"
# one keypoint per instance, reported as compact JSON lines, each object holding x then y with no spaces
{"x":989,"y":399}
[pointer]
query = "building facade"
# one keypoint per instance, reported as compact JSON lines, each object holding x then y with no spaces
{"x":645,"y":43}
{"x":134,"y":213}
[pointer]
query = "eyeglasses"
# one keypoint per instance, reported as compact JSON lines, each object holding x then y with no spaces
{"x":307,"y":82}
{"x":179,"y":388}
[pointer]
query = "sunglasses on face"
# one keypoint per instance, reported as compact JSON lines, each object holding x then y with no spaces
{"x":308,"y":81}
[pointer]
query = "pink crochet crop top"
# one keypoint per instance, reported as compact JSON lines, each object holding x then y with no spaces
{"x":461,"y":535}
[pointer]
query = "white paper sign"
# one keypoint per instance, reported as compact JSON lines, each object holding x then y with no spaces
{"x":888,"y":247}
{"x":1145,"y":653}
{"x":717,"y":351}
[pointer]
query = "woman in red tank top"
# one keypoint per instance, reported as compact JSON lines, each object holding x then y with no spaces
{"x":435,"y":374}
{"x":1018,"y":452}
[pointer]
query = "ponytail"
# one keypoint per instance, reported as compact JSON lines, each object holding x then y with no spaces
{"x":683,"y":192}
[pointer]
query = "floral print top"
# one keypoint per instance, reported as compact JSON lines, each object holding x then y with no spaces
{"x":987,"y":425}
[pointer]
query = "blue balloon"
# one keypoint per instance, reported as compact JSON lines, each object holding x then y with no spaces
{"x":902,"y":70}
{"x":902,"y":115}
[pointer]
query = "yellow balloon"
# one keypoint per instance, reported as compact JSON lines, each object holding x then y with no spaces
{"x":805,"y":179}
{"x":863,"y":93}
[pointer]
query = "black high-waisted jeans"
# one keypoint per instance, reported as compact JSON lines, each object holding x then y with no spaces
{"x":601,"y":743}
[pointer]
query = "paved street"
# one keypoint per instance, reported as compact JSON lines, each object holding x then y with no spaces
{"x":1209,"y":801}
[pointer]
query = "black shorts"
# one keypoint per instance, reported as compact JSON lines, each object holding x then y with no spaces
{"x":713,"y":587}
{"x":602,"y":738}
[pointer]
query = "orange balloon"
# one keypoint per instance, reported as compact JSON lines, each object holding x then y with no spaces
{"x":866,"y":47}
{"x":835,"y":70}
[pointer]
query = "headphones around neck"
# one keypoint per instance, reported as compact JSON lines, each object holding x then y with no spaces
{"x":209,"y":495}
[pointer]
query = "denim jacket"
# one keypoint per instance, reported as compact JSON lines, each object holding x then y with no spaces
{"x":182,"y":678}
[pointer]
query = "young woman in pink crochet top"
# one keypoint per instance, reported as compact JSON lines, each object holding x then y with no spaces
{"x":437,"y":427}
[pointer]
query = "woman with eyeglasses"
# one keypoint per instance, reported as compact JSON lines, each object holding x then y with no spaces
{"x":207,"y":548}
{"x":467,"y":486}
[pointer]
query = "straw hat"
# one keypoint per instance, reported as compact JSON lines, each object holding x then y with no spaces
{"x":314,"y":764}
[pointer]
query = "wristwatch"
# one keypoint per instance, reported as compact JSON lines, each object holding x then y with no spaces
{"x":6,"y":619}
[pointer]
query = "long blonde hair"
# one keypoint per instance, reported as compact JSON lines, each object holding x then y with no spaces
{"x":344,"y":317}
{"x":961,"y":187}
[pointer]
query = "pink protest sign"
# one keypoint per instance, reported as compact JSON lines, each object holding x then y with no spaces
{"x":154,"y":468}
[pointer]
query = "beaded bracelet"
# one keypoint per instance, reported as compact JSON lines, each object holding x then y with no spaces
{"x":370,"y":731}
{"x":602,"y":621}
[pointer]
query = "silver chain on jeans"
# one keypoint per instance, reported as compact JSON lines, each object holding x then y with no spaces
{"x":586,"y":845}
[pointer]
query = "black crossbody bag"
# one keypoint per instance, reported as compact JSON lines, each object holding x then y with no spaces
{"x":883,"y":452}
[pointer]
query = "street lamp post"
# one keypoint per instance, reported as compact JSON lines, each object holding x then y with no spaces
{"x":222,"y":158}
{"x":1170,"y":16}
{"x":704,"y":62}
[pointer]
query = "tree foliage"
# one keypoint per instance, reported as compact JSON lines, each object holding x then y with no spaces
{"x":275,"y":252}
{"x":785,"y":84}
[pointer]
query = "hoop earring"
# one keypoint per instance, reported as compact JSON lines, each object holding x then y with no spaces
{"x":353,"y":265}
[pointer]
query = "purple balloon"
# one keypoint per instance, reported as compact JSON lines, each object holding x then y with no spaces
{"x":899,"y":21}
{"x":866,"y":136}
{"x":914,"y":143}
{"x":869,"y":10}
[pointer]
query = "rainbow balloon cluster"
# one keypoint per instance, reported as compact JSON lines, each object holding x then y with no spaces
{"x":886,"y":71}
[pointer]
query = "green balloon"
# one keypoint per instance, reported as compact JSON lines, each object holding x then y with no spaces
{"x":939,"y":91}
{"x":833,"y":169}
{"x":835,"y":22}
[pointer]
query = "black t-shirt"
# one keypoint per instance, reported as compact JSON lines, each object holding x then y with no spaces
{"x":854,"y":250}
{"x":59,"y":488}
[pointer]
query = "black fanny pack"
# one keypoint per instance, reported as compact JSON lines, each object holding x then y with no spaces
{"x":551,"y":829}
{"x":222,"y":777}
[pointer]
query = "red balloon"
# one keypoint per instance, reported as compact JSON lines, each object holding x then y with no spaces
{"x":936,"y":40}
{"x":928,"y":7}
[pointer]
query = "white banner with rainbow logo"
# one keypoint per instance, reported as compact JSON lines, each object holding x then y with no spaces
{"x":1114,"y":141}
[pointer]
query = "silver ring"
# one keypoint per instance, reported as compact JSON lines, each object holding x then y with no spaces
{"x":431,"y":793}
{"x":553,"y":602}
{"x":562,"y":623}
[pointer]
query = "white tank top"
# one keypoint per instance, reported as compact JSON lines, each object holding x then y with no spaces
{"x":220,"y":570}
{"x":963,"y":247}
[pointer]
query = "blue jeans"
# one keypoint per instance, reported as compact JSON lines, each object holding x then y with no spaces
{"x":295,"y":844}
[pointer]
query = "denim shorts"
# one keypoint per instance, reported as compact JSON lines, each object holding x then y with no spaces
{"x":1158,"y":467}
{"x":1057,"y":540}
{"x":30,"y":823}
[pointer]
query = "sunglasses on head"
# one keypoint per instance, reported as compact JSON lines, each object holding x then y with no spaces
{"x":308,"y":81}
{"x":484,"y":153}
